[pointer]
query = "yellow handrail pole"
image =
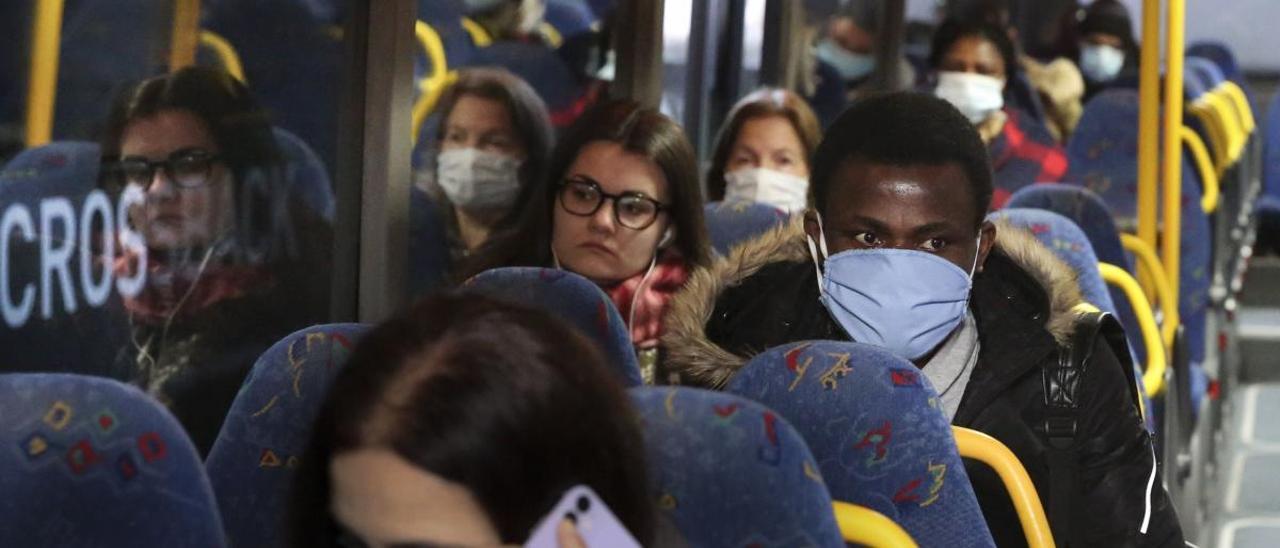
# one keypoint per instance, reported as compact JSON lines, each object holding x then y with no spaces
{"x":1171,"y":251}
{"x":1153,"y":377}
{"x":1149,"y":122}
{"x":225,"y":52}
{"x":973,"y":444}
{"x":862,"y":525}
{"x":185,"y":34}
{"x":42,"y":81}
{"x":1149,"y":263}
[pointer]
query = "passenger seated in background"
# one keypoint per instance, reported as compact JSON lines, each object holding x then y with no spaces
{"x":849,"y":44}
{"x":493,"y":141}
{"x":507,"y":19}
{"x":896,"y":253}
{"x":973,"y":61}
{"x":1058,"y":83}
{"x":762,"y":152}
{"x":462,"y":422}
{"x":234,"y":261}
{"x":1108,"y":53}
{"x":621,"y":206}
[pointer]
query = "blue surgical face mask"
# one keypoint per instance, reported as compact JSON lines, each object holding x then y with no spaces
{"x":1100,"y":63}
{"x":904,"y":301}
{"x":851,"y":66}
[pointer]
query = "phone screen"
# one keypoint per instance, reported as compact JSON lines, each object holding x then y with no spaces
{"x":596,"y":524}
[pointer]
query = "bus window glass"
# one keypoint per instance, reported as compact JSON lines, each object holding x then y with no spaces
{"x":169,"y":214}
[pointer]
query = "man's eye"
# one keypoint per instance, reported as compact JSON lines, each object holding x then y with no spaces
{"x":934,"y":244}
{"x":868,"y":239}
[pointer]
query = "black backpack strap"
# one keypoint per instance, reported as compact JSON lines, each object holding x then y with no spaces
{"x":1062,"y":382}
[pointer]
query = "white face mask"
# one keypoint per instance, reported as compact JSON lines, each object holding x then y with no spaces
{"x":475,"y":179}
{"x":531,"y":14}
{"x":781,"y":190}
{"x":976,"y":96}
{"x":851,"y":66}
{"x":1100,"y":63}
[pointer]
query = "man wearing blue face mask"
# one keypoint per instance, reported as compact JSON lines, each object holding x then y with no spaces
{"x":896,"y":253}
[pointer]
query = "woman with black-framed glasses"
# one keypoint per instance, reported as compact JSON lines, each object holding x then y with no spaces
{"x":622,"y":206}
{"x":234,"y":259}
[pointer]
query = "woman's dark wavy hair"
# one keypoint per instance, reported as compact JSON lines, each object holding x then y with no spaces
{"x":506,"y":401}
{"x":244,"y":137}
{"x":524,"y":237}
{"x":528,"y":113}
{"x":762,"y":103}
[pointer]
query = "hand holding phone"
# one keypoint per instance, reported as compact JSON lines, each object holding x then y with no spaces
{"x":595,"y":524}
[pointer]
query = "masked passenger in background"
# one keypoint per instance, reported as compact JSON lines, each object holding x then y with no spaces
{"x":973,"y":61}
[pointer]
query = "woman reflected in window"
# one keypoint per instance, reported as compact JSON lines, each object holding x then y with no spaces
{"x":233,"y":255}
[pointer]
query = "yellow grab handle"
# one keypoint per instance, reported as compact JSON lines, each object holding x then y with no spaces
{"x":1231,"y":121}
{"x":226,"y":54}
{"x":1209,"y":177}
{"x":1217,"y":139}
{"x":478,"y":34}
{"x":1233,"y":91}
{"x":1153,"y":377}
{"x":434,"y":85}
{"x":988,"y":450}
{"x":1149,"y":263}
{"x":869,"y":528}
{"x":551,"y":34}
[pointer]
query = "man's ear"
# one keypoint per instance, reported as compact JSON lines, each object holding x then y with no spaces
{"x":988,"y":231}
{"x":812,"y":226}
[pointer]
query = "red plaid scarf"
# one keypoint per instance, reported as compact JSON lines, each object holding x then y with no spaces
{"x":668,"y":276}
{"x":183,"y":290}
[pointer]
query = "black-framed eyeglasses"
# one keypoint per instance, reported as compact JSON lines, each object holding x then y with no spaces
{"x":186,"y":168}
{"x":583,"y":197}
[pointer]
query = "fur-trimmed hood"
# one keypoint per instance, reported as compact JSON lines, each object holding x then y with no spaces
{"x":701,"y":362}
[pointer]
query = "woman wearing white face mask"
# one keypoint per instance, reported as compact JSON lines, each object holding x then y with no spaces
{"x":762,"y":152}
{"x":973,"y":60}
{"x":1108,"y":54}
{"x":494,"y":138}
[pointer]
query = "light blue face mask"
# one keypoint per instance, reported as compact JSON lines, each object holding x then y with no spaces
{"x":851,"y":66}
{"x":1101,"y":63}
{"x":903,"y":300}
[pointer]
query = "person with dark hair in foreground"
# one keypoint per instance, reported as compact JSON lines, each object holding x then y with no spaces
{"x":462,"y":422}
{"x":896,"y":253}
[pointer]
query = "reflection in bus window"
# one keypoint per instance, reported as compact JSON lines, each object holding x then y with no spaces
{"x":233,"y":256}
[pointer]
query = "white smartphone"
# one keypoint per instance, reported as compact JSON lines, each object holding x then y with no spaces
{"x":597,"y":525}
